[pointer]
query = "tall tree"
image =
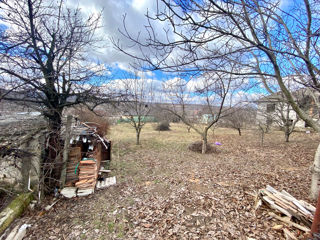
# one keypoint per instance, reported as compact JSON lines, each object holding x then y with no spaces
{"x":45,"y":64}
{"x":44,"y":49}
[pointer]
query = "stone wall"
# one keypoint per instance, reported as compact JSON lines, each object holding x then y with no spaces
{"x":25,"y":133}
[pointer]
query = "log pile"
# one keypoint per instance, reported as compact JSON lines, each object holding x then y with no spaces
{"x":88,"y":173}
{"x":295,"y":213}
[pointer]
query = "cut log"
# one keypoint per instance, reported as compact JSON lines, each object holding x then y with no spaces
{"x":18,"y":233}
{"x":290,"y":223}
{"x":286,"y":204}
{"x":14,"y":210}
{"x":84,"y":192}
{"x":289,"y":235}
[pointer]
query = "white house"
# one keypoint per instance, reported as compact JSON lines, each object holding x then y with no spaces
{"x":273,"y":110}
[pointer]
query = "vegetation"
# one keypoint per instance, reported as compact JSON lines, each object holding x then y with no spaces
{"x":239,"y":118}
{"x":86,"y":115}
{"x":217,"y":51}
{"x":44,"y":65}
{"x":162,"y":173}
{"x":163,"y":126}
{"x":259,"y":39}
{"x":136,"y":102}
{"x":44,"y":56}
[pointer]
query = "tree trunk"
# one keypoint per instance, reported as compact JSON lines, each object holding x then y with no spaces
{"x":138,"y":136}
{"x":54,"y":117}
{"x":262,"y":136}
{"x":66,"y":151}
{"x":204,"y":141}
{"x":315,"y":169}
{"x":287,"y":134}
{"x":53,"y":152}
{"x":315,"y":228}
{"x":239,"y":130}
{"x":267,"y":128}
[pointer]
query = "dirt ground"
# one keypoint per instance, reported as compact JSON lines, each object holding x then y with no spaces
{"x":165,"y":191}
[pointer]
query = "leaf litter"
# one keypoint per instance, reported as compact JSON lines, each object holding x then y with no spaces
{"x":169,"y":192}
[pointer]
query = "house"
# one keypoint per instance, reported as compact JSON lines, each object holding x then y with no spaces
{"x":273,"y":109}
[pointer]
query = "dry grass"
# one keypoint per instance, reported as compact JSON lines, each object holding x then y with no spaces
{"x":165,"y":191}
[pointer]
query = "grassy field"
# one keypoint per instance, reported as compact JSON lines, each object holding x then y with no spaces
{"x":165,"y":191}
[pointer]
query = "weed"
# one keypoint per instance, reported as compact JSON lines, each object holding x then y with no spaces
{"x":120,"y":230}
{"x":83,"y":236}
{"x":97,"y":224}
{"x":110,"y":226}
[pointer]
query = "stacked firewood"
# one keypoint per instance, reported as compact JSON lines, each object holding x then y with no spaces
{"x":88,"y":173}
{"x":295,"y":213}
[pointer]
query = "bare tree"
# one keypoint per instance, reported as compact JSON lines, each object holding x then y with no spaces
{"x":214,"y":33}
{"x":137,"y":104}
{"x":43,"y":54}
{"x":287,"y":124}
{"x":211,"y":91}
{"x":204,"y":36}
{"x":44,"y":63}
{"x":239,"y":118}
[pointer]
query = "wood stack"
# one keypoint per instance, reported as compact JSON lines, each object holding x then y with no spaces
{"x":297,"y":211}
{"x":88,"y":173}
{"x":88,"y":149}
{"x":74,"y":159}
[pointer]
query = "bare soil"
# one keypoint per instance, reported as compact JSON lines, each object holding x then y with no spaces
{"x":165,"y":191}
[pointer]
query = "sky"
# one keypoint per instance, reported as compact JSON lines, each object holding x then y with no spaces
{"x":113,"y":12}
{"x":134,"y":11}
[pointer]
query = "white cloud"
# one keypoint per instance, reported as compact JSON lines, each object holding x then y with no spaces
{"x":142,"y":5}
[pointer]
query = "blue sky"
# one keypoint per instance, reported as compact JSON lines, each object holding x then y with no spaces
{"x":117,"y":63}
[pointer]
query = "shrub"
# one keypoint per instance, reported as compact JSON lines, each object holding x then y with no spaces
{"x":87,"y":116}
{"x":163,"y":126}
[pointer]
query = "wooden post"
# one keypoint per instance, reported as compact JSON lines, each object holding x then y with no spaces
{"x":315,"y":175}
{"x":66,"y":151}
{"x":315,"y":228}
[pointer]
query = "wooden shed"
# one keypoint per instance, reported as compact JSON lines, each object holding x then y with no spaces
{"x":88,"y":161}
